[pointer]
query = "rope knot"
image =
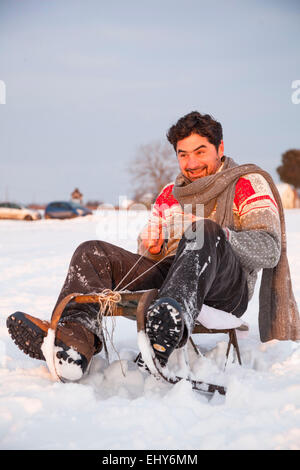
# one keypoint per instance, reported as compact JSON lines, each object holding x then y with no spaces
{"x":108,"y":300}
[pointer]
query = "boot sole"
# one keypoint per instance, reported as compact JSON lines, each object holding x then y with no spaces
{"x":26,"y":334}
{"x":164,"y":328}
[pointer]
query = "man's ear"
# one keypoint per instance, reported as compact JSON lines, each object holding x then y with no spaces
{"x":221,"y":149}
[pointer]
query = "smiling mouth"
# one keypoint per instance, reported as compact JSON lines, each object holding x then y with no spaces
{"x":197,"y":171}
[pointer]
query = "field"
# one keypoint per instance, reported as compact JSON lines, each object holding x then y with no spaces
{"x":119,"y":407}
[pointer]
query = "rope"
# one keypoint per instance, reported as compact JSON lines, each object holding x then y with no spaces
{"x":124,"y":277}
{"x":108,"y":300}
{"x":140,"y":275}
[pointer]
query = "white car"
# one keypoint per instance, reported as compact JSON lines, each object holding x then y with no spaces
{"x":9,"y":210}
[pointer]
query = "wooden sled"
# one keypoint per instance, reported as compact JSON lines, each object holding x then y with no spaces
{"x":133,"y":305}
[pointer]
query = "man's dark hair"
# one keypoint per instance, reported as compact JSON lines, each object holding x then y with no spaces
{"x":196,"y":123}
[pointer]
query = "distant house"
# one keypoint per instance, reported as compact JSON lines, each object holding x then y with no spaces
{"x":124,"y":203}
{"x":77,"y":196}
{"x":289,"y":196}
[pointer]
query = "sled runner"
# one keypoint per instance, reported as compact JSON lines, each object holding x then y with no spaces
{"x":133,"y":306}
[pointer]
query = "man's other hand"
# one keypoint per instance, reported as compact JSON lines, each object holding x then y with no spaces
{"x":152,"y":238}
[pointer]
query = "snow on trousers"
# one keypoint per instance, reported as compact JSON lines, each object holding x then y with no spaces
{"x":210,"y":274}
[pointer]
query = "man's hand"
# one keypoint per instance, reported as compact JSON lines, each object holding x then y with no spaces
{"x":152,"y":238}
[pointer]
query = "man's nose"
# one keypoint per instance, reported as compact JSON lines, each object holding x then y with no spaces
{"x":193,"y":162}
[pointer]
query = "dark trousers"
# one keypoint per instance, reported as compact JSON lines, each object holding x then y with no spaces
{"x":210,"y":274}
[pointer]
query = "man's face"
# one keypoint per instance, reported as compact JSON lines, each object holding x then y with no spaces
{"x":197,"y":157}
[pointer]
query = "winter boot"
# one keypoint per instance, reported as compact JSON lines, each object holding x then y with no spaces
{"x":74,"y":348}
{"x":164,"y":327}
{"x":74,"y":344}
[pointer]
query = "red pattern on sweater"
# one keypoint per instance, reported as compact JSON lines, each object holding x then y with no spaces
{"x":164,"y":200}
{"x":243,"y":190}
{"x":259,"y":198}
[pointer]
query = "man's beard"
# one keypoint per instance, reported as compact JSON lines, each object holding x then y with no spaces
{"x":196,"y":173}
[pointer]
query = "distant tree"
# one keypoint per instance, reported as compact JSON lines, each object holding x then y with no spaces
{"x":289,"y":170}
{"x":153,"y":167}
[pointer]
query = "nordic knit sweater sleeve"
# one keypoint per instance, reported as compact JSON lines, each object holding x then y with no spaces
{"x":257,"y":237}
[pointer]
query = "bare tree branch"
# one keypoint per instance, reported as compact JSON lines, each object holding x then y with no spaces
{"x":153,"y":167}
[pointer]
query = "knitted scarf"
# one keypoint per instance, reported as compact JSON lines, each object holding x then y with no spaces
{"x":278,"y":311}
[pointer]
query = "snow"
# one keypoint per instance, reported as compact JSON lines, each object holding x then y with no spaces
{"x":145,"y":349}
{"x":118,"y":407}
{"x":210,"y":317}
{"x":47,"y":348}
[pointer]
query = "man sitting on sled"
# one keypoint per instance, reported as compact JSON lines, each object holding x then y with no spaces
{"x":242,"y":232}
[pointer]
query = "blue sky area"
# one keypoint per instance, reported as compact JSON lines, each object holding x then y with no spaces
{"x":88,"y":82}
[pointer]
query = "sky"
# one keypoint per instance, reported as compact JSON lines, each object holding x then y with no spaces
{"x":88,"y":82}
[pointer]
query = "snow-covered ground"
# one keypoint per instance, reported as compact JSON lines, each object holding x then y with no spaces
{"x":108,"y":410}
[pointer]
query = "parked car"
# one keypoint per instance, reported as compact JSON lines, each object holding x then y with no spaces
{"x":10,"y":210}
{"x":65,"y":210}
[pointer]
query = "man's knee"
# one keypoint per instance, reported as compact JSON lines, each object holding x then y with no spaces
{"x":84,"y":247}
{"x":95,"y":246}
{"x":88,"y":249}
{"x":201,"y":231}
{"x":207,"y":226}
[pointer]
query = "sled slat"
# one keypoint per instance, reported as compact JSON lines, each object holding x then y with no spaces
{"x":125,"y":308}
